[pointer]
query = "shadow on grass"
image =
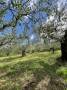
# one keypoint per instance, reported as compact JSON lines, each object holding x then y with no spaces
{"x":39,"y":69}
{"x":8,"y":59}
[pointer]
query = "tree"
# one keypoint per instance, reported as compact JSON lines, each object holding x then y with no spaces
{"x":56,"y":26}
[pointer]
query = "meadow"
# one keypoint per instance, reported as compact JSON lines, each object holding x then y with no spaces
{"x":36,"y":71}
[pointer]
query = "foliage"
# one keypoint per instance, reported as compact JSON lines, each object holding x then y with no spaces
{"x":42,"y":47}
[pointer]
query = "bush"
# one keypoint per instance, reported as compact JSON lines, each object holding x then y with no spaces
{"x":4,"y":52}
{"x":36,"y":48}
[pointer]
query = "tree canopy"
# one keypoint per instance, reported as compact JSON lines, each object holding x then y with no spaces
{"x":45,"y":15}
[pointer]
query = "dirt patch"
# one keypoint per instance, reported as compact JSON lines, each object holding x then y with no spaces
{"x":29,"y":84}
{"x":56,"y":84}
{"x":43,"y":84}
{"x":48,"y":83}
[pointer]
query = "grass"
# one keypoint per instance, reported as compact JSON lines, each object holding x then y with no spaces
{"x":30,"y":72}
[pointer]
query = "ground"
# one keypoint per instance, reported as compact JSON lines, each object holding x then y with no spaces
{"x":37,"y":71}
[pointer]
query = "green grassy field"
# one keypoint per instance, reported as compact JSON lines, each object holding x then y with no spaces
{"x":37,"y":71}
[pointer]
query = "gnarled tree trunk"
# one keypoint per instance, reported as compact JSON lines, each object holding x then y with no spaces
{"x":64,"y":47}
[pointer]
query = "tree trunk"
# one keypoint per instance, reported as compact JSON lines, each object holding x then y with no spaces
{"x":23,"y":51}
{"x":64,"y":47}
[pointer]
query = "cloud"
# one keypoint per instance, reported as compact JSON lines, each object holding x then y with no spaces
{"x":60,"y":4}
{"x":32,"y":37}
{"x":32,"y":4}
